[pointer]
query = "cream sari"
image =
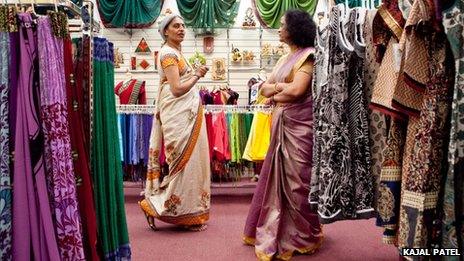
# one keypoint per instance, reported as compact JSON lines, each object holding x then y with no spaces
{"x":183,"y":196}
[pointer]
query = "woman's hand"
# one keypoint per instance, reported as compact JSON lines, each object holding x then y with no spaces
{"x":201,"y":71}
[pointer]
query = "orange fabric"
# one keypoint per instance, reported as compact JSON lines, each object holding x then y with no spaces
{"x":169,"y":60}
{"x":191,"y":144}
{"x":186,"y":220}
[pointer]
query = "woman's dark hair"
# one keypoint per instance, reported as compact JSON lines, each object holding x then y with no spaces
{"x":300,"y":27}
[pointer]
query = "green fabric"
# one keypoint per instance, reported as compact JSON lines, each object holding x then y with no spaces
{"x":206,"y":15}
{"x":355,"y":3}
{"x":270,"y":11}
{"x":248,"y":121}
{"x":106,"y":166}
{"x":235,"y":138}
{"x":231,"y":137}
{"x":243,"y":137}
{"x":129,"y":13}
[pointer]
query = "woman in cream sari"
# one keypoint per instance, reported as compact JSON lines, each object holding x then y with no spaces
{"x":280,"y":221}
{"x":182,"y":197}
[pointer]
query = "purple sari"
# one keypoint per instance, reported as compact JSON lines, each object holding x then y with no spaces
{"x":33,"y":229}
{"x":280,"y":221}
{"x":57,"y":153}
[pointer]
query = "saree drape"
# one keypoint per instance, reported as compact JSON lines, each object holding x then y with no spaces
{"x":280,"y":221}
{"x":34,"y":233}
{"x":129,"y":13}
{"x":183,"y":196}
{"x":80,"y":158}
{"x":106,"y":161}
{"x":204,"y":16}
{"x":453,"y":205}
{"x":57,"y":154}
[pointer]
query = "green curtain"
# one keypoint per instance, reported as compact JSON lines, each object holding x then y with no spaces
{"x":129,"y":13}
{"x":206,"y":15}
{"x":106,"y":159}
{"x":269,"y":12}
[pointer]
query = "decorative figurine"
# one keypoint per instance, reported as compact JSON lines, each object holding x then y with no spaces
{"x":236,"y":55}
{"x":249,"y":20}
{"x":219,"y":69}
{"x":118,"y":58}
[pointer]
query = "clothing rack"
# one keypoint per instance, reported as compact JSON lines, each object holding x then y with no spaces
{"x":238,"y":108}
{"x":67,"y":5}
{"x":135,"y":109}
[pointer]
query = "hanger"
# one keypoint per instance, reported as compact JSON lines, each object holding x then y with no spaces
{"x":56,"y":6}
{"x":128,"y":74}
{"x":343,"y":43}
{"x":33,"y":6}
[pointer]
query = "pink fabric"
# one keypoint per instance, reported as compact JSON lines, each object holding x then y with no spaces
{"x":58,"y":160}
{"x":221,"y":150}
{"x":280,"y":219}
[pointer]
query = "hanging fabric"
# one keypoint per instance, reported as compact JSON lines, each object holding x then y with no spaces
{"x":80,"y":158}
{"x":129,"y":13}
{"x":387,"y":28}
{"x":453,"y":233}
{"x":207,"y":15}
{"x":377,"y":124}
{"x":34,"y":233}
{"x":106,"y":161}
{"x":5,"y":174}
{"x":57,"y":154}
{"x":258,"y":144}
{"x":425,"y":157}
{"x":269,"y":12}
{"x":342,"y":181}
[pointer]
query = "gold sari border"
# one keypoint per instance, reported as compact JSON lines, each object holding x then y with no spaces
{"x":389,"y":240}
{"x":199,"y":218}
{"x":249,"y":240}
{"x":187,"y":153}
{"x":153,"y":174}
{"x":390,"y":21}
{"x":262,"y":256}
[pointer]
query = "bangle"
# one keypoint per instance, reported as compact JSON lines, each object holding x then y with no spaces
{"x":272,"y":99}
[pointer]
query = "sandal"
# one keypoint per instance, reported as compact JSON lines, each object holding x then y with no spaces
{"x":151,"y":222}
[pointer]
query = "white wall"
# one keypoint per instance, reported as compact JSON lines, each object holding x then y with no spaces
{"x":127,"y":40}
{"x":242,"y":39}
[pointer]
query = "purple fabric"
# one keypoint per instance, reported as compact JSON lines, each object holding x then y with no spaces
{"x":287,"y":67}
{"x":33,"y":230}
{"x":147,"y":123}
{"x":13,"y":71}
{"x":280,"y":220}
{"x":58,"y":160}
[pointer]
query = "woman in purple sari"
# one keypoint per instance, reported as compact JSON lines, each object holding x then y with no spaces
{"x":280,"y":221}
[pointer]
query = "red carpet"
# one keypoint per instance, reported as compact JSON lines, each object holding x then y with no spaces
{"x":348,"y":240}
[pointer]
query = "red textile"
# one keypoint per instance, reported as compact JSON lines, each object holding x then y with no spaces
{"x":131,"y":92}
{"x":80,"y":159}
{"x":221,"y":150}
{"x":210,"y":131}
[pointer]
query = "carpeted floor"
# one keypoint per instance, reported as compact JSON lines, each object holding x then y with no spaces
{"x":347,"y":240}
